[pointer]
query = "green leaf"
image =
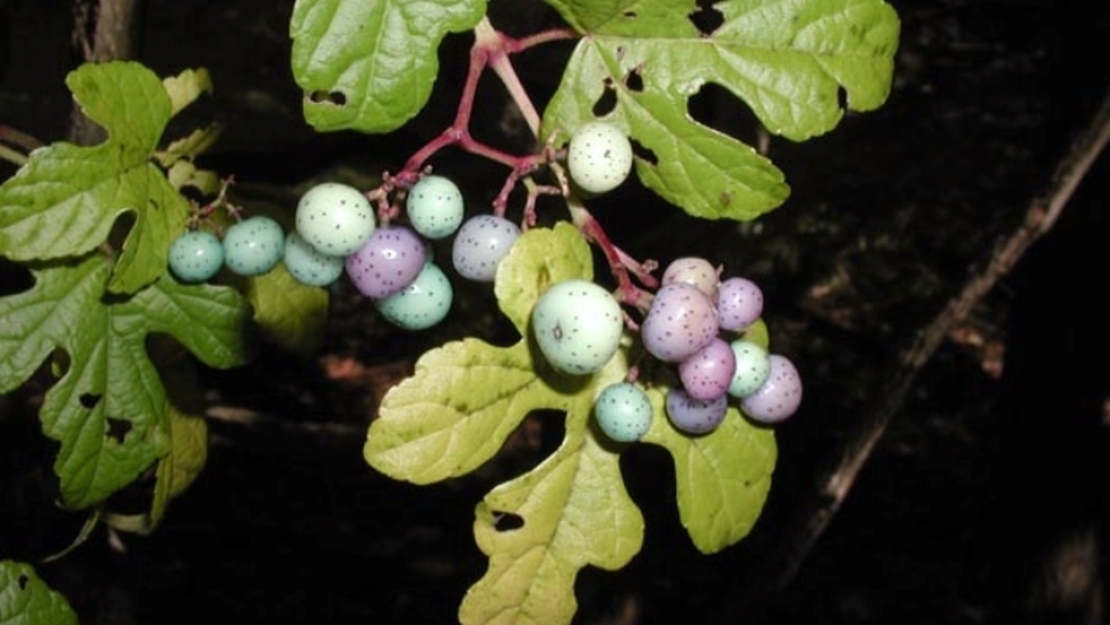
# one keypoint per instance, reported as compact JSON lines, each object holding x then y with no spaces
{"x":26,"y":600}
{"x":370,"y":65}
{"x":182,"y":464}
{"x":722,"y":477}
{"x":108,"y":406}
{"x":186,"y":87}
{"x":540,"y":258}
{"x":788,"y":60}
{"x":287,"y":313}
{"x":575,"y":512}
{"x":466,"y":397}
{"x":65,"y":200}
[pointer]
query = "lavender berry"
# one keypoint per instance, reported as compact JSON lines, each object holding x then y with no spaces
{"x":694,"y":416}
{"x":480,"y":244}
{"x":681,"y":321}
{"x":389,"y":261}
{"x":779,"y":397}
{"x":707,"y":374}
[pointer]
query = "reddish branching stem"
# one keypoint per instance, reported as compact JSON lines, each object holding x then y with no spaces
{"x":492,"y":49}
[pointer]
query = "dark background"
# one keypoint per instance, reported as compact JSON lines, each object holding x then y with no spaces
{"x":984,"y":503}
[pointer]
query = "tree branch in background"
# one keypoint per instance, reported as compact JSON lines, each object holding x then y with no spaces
{"x":833,"y":484}
{"x":103,"y":30}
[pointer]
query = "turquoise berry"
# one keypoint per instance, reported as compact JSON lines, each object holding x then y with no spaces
{"x":578,"y":326}
{"x":196,"y":256}
{"x":421,"y":304}
{"x":253,"y":246}
{"x":435,"y":207}
{"x":753,"y":366}
{"x":308,"y":265}
{"x":623,"y":412}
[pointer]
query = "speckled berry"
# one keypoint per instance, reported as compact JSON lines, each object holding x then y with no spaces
{"x":779,"y":396}
{"x":680,"y":322}
{"x":389,"y":261}
{"x":694,"y":416}
{"x":307,"y":265}
{"x":196,"y":256}
{"x":335,"y":218}
{"x":578,"y":326}
{"x":623,"y":412}
{"x":480,"y":244}
{"x":599,"y":157}
{"x":739,"y":303}
{"x":422,"y":304}
{"x":435,"y":207}
{"x":253,"y":246}
{"x":706,"y":374}
{"x":753,"y":365}
{"x":694,"y":271}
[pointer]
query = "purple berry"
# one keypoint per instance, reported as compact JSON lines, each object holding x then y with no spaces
{"x":707,"y":374}
{"x":694,"y":416}
{"x":739,"y":303}
{"x":680,"y":322}
{"x":778,"y":397}
{"x":388,"y":262}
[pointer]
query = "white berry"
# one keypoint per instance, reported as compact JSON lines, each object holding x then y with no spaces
{"x":335,"y":218}
{"x":578,"y":326}
{"x":599,"y":157}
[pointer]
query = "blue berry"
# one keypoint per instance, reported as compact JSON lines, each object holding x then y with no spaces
{"x":253,"y":246}
{"x":196,"y":256}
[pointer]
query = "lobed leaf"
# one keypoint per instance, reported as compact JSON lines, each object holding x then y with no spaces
{"x":26,"y":600}
{"x":722,"y":477}
{"x":575,"y":512}
{"x":65,"y":201}
{"x":788,"y":60}
{"x":107,"y":408}
{"x":370,"y":65}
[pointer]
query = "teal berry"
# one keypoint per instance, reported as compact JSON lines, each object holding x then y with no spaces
{"x":308,"y":265}
{"x":623,"y":412}
{"x":253,"y":246}
{"x":422,"y":304}
{"x":578,"y":326}
{"x":435,"y":207}
{"x":753,"y":367}
{"x":196,"y":256}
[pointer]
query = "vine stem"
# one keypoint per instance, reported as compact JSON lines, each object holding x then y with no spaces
{"x":13,"y":156}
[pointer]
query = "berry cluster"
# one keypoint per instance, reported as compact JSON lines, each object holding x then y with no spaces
{"x":337,"y":231}
{"x":696,"y":321}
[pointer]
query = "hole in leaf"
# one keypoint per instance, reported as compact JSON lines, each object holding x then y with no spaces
{"x":634,"y":81}
{"x":629,"y":15}
{"x":644,"y":153}
{"x":507,"y":521}
{"x":842,"y":98}
{"x":607,"y":102}
{"x":337,"y":98}
{"x":121,"y":228}
{"x":117,"y":429}
{"x":23,"y":581}
{"x":14,"y":278}
{"x":717,"y":107}
{"x":707,"y":18}
{"x":89,"y":400}
{"x":58,"y":363}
